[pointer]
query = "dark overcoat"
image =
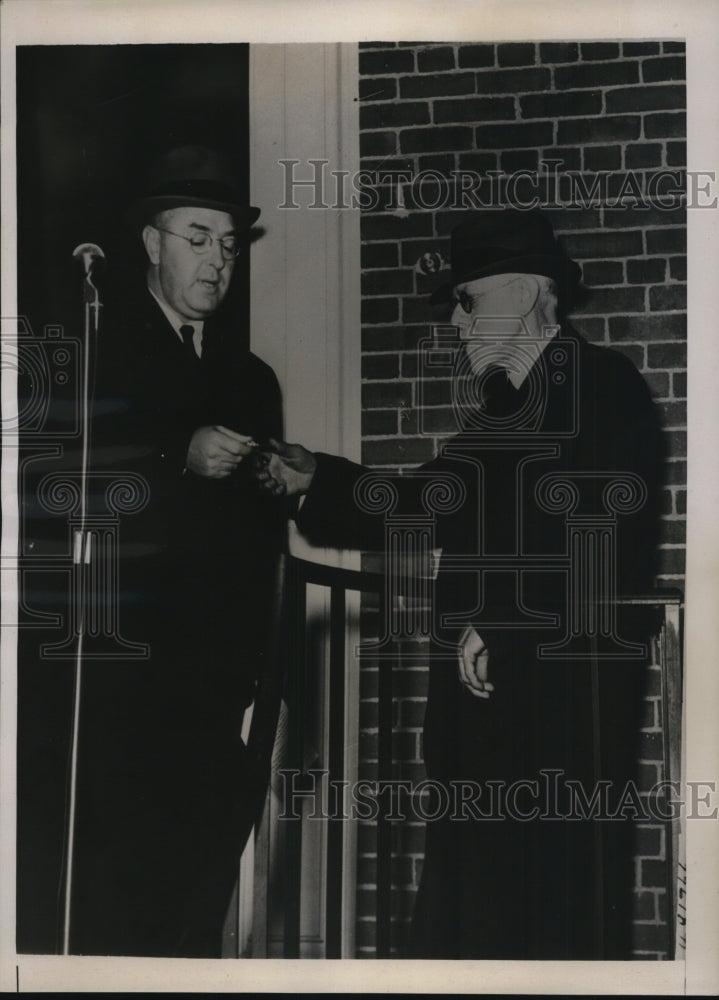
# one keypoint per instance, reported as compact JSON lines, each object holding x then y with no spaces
{"x":163,"y":781}
{"x":514,"y":879}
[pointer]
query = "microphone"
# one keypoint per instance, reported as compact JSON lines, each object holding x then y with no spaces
{"x":91,"y":255}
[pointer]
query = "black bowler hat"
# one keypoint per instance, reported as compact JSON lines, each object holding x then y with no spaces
{"x":193,"y":176}
{"x":504,"y":241}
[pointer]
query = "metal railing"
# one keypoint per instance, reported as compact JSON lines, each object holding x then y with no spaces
{"x":287,"y":886}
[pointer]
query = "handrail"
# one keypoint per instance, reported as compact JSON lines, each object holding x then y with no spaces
{"x":299,"y":574}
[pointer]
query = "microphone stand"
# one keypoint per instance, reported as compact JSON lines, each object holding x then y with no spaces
{"x":91,"y":257}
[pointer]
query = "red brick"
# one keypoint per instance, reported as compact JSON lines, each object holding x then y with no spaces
{"x":379,"y":422}
{"x":648,"y":775}
{"x":400,"y":451}
{"x":379,"y":143}
{"x":640,"y":48}
{"x":558,"y":52}
{"x":603,"y":272}
{"x":386,"y":282}
{"x":641,"y":272}
{"x":422,"y":140}
{"x":474,"y":109}
{"x":676,"y":154}
{"x":516,"y":54}
{"x":386,"y":61}
{"x":476,"y":55}
{"x":667,"y":355}
{"x":593,"y":329}
{"x":674,"y":47}
{"x":645,"y":905}
{"x":388,"y":338}
{"x":375,"y":116}
{"x":658,"y":383}
{"x":378,"y":89}
{"x":645,"y":98}
{"x":674,"y":532}
{"x":442,"y":420}
{"x":512,"y":81}
{"x":379,"y":254}
{"x":520,"y":159}
{"x":441,"y":85}
{"x":605,"y":244}
{"x":412,"y":712}
{"x":616,"y":300}
{"x":381,"y":395}
{"x":667,"y":240}
{"x":564,"y":105}
{"x":675,"y":472}
{"x":666,"y":68}
{"x":650,"y":937}
{"x":416,"y":309}
{"x":679,"y":385}
{"x":617,"y":128}
{"x":651,"y":328}
{"x":680,"y":501}
{"x":630,"y":215}
{"x":514,"y":135}
{"x":600,"y":50}
{"x":390,"y":227}
{"x":674,"y":416}
{"x":668,"y":126}
{"x":650,"y":719}
{"x":435,"y":59}
{"x":380,"y":366}
{"x":596,"y":75}
{"x":379,"y":310}
{"x":409,"y":365}
{"x":668,"y":297}
{"x":480,"y":162}
{"x":602,"y":157}
{"x":570,"y":157}
{"x":442,"y":163}
{"x":643,"y":154}
{"x":650,"y":747}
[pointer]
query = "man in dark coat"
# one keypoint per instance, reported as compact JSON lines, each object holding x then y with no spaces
{"x":165,"y":791}
{"x":535,"y":674}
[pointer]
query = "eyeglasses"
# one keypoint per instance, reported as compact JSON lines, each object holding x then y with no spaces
{"x":202,"y":242}
{"x":468,"y":301}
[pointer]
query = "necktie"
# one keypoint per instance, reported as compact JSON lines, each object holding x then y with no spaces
{"x":187,"y":332}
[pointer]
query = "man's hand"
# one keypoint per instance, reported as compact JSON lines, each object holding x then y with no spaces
{"x":216,"y":451}
{"x":473,"y":664}
{"x":283,"y":468}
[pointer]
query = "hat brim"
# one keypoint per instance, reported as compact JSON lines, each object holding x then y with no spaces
{"x":565,"y":272}
{"x":140,"y":213}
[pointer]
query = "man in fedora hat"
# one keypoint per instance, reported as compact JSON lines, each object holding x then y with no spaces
{"x":554,"y":477}
{"x":165,"y":790}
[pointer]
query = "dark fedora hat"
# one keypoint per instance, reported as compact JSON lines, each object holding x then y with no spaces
{"x":192,"y":176}
{"x":504,"y":241}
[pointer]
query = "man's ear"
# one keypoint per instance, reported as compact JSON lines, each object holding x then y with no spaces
{"x":525,"y":292}
{"x":151,"y":239}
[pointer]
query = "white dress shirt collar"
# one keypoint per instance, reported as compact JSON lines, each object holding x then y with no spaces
{"x":176,"y":321}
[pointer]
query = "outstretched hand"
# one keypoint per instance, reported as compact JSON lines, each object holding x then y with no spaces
{"x":282,"y":468}
{"x":473,"y":664}
{"x":216,"y":451}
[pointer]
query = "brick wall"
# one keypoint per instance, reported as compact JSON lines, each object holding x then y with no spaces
{"x":608,"y":110}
